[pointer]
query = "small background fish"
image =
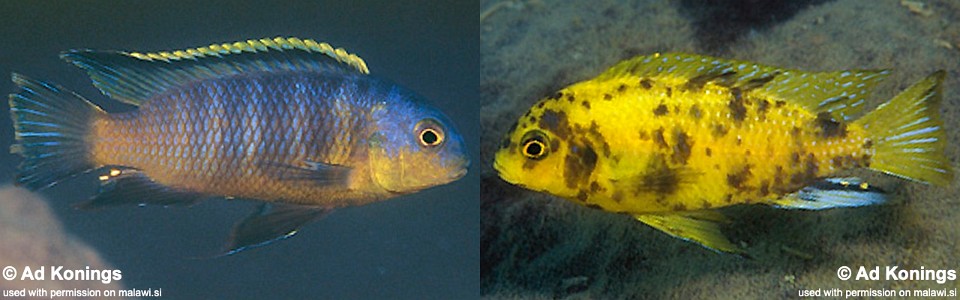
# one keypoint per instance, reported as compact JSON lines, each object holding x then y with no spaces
{"x":536,"y":245}
{"x":355,"y":246}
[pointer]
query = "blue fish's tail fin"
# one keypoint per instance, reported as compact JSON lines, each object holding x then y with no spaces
{"x":908,"y":136}
{"x":52,"y":128}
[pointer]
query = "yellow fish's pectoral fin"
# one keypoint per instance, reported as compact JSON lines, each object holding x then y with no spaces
{"x":702,"y":227}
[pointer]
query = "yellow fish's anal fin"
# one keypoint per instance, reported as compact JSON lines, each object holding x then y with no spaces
{"x":135,"y":77}
{"x":697,"y":226}
{"x":907,"y":135}
{"x":841,"y":94}
{"x":833,"y":193}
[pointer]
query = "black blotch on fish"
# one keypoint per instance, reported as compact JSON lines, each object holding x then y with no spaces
{"x":679,"y":207}
{"x":579,"y":164}
{"x":681,"y":147}
{"x":736,"y":179}
{"x":644,"y":135}
{"x":709,"y":152}
{"x":607,"y":97}
{"x":585,"y":104}
{"x":570,"y":98}
{"x":622,"y":88}
{"x":695,"y":111}
{"x":737,"y":108}
{"x":762,"y":108}
{"x":594,"y":206}
{"x":669,"y":92}
{"x":764,"y":188}
{"x":830,"y":128}
{"x":659,"y":178}
{"x":722,"y":79}
{"x":556,"y":122}
{"x":868,"y":144}
{"x":704,"y":204}
{"x":660,"y":110}
{"x":758,"y":82}
{"x":593,"y":133}
{"x":780,"y":103}
{"x":658,"y":138}
{"x":646,"y":83}
{"x":540,"y":105}
{"x":719,"y":130}
{"x":808,"y":174}
{"x":594,"y":187}
{"x":582,"y":196}
{"x":778,"y":177}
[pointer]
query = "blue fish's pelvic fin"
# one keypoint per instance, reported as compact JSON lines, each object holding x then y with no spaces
{"x":51,"y":126}
{"x":702,"y":227}
{"x":320,"y":173}
{"x":134,"y":77}
{"x":833,"y":193}
{"x":272,"y":222}
{"x":121,"y":186}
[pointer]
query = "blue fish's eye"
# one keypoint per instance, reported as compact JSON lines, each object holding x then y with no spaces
{"x":534,"y":145}
{"x":429,"y":133}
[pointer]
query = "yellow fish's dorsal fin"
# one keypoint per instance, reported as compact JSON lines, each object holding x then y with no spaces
{"x":697,"y":226}
{"x":841,"y":94}
{"x":134,"y":77}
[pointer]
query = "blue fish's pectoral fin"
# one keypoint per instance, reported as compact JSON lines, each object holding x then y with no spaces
{"x":134,"y":77}
{"x":272,"y":222}
{"x":702,"y":227}
{"x":122,"y":186}
{"x":321,"y":173}
{"x":832,"y":193}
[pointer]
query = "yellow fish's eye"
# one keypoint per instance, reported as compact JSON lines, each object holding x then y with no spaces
{"x":534,"y":145}
{"x":429,"y":133}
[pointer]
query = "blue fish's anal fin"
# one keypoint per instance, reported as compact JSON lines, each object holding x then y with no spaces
{"x":122,"y":186}
{"x":135,"y":77}
{"x":832,"y":193}
{"x":272,"y":222}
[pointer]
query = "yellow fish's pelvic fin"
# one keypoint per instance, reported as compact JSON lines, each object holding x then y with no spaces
{"x":907,"y":135}
{"x":832,"y":193}
{"x":697,"y":226}
{"x":842,"y":94}
{"x":52,"y":125}
{"x":134,"y":77}
{"x":270,"y":223}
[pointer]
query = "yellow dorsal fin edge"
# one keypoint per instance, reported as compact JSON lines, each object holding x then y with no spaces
{"x":254,"y":46}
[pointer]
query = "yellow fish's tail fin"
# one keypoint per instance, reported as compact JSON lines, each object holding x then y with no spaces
{"x":701,"y":227}
{"x":908,"y":136}
{"x":52,"y":125}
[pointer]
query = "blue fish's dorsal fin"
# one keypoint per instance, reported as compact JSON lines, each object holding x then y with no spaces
{"x":135,"y":77}
{"x":841,"y":94}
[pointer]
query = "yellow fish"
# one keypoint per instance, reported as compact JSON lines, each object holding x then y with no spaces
{"x":666,"y":137}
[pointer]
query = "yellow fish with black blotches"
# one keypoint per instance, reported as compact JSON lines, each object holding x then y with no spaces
{"x":667,"y":137}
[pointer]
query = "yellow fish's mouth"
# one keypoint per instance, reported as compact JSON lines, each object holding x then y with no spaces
{"x":503,"y":172}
